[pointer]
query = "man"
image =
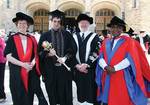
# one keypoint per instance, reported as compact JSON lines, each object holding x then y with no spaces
{"x":144,"y":41}
{"x":58,"y":80}
{"x":122,"y":69}
{"x":86,"y":46}
{"x":21,"y":53}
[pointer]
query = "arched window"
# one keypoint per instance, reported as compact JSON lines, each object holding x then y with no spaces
{"x":70,"y":20}
{"x":102,"y":18}
{"x":72,"y":12}
{"x":41,"y":22}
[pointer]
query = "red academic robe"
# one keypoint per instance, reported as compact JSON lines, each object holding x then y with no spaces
{"x":121,"y":87}
{"x":31,"y":44}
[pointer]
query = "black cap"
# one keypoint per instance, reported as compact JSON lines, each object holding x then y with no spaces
{"x":22,"y":16}
{"x":116,"y":21}
{"x":130,"y":32}
{"x":84,"y":17}
{"x":57,"y":13}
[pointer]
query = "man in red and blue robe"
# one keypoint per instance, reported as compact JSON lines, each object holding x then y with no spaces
{"x":123,"y":73}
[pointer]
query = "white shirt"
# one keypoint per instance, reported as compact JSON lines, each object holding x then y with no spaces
{"x":85,"y":34}
{"x":24,"y":45}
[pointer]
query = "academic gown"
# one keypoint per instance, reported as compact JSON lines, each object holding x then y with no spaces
{"x":86,"y":86}
{"x":130,"y":86}
{"x":20,"y":82}
{"x":58,"y":80}
{"x":146,"y":41}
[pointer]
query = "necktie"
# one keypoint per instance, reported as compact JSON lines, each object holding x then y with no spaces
{"x":82,"y":37}
{"x":112,"y":42}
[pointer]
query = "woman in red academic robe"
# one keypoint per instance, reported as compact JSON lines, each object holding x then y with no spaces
{"x":21,"y":53}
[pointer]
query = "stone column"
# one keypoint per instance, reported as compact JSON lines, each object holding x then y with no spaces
{"x":123,"y":9}
{"x":53,"y":5}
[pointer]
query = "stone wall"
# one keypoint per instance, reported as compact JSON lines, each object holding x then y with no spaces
{"x":137,"y":18}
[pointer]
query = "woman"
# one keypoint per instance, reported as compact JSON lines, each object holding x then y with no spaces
{"x":21,"y":53}
{"x":2,"y":69}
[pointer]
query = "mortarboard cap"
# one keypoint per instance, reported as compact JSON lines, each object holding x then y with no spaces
{"x":57,"y":13}
{"x":22,"y":16}
{"x":84,"y":17}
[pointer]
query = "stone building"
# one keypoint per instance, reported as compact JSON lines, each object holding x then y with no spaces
{"x":134,"y":12}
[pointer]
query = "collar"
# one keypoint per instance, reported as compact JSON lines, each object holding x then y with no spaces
{"x":86,"y":33}
{"x":22,"y":34}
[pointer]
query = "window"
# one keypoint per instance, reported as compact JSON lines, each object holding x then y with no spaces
{"x":70,"y":19}
{"x":102,"y":18}
{"x":41,"y":20}
{"x":8,"y":3}
{"x":72,"y":12}
{"x":135,"y":3}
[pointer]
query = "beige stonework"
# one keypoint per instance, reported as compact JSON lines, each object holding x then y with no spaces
{"x":67,"y":4}
{"x":32,"y":5}
{"x":138,"y":18}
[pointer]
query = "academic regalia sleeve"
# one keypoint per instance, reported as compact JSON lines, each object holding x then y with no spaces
{"x":145,"y":67}
{"x":139,"y":65}
{"x":9,"y":46}
{"x":94,"y":49}
{"x":41,"y":52}
{"x":69,"y":52}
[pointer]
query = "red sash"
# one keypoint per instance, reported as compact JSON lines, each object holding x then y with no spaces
{"x":24,"y":57}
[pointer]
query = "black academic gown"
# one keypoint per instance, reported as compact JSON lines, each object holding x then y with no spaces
{"x":20,"y":95}
{"x":146,"y":40}
{"x":58,"y":80}
{"x":86,"y":86}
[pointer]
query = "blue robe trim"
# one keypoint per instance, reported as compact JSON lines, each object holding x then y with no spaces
{"x":110,"y":53}
{"x":136,"y":94}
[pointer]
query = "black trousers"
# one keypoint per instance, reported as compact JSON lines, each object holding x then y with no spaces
{"x":2,"y":73}
{"x":59,"y":87}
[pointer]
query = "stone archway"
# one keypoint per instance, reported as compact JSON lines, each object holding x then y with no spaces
{"x":70,"y":19}
{"x":67,"y":4}
{"x":39,"y":11}
{"x":34,"y":5}
{"x":102,"y":13}
{"x":72,"y":9}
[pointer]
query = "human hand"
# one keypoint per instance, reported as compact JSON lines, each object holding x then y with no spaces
{"x":52,"y":52}
{"x":28,"y":66}
{"x":84,"y":67}
{"x":61,"y":60}
{"x":110,"y":70}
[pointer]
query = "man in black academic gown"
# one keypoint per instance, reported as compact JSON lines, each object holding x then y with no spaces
{"x":86,"y":46}
{"x":58,"y":80}
{"x":144,"y":40}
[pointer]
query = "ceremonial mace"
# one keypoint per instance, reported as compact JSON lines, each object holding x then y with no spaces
{"x":48,"y":46}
